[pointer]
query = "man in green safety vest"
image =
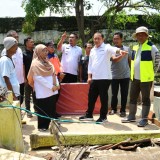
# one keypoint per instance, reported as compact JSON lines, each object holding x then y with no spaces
{"x":142,"y":75}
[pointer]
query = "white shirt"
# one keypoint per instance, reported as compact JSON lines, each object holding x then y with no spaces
{"x":70,"y":58}
{"x":43,"y":86}
{"x":99,"y":61}
{"x":18,"y":62}
{"x":7,"y":69}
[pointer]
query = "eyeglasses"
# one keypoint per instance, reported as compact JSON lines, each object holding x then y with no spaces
{"x":51,"y":46}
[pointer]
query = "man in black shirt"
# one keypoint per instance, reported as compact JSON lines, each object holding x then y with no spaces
{"x":27,"y":60}
{"x":84,"y":63}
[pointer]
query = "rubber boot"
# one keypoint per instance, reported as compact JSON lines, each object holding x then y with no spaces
{"x":144,"y":121}
{"x":132,"y":111}
{"x":132,"y":114}
{"x":145,"y":111}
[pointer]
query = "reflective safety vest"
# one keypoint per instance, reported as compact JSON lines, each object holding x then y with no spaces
{"x":146,"y":63}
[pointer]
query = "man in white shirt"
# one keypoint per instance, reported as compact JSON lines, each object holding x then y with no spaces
{"x":100,"y":76}
{"x":8,"y":76}
{"x":71,"y":54}
{"x":18,"y":63}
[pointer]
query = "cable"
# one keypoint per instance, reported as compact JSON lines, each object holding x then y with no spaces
{"x":19,"y":121}
{"x":47,"y":117}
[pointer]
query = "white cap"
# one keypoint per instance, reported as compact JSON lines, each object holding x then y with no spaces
{"x":140,"y":30}
{"x":9,"y":42}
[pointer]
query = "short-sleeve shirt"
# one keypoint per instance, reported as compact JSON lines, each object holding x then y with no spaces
{"x":99,"y":61}
{"x":7,"y":69}
{"x":70,"y":58}
{"x":18,"y":62}
{"x":121,"y":70}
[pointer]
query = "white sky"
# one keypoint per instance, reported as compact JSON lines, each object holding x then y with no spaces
{"x":12,"y":8}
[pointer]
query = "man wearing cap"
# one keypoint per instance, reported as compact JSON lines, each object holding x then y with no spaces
{"x":18,"y":62}
{"x":8,"y":76}
{"x":142,"y":75}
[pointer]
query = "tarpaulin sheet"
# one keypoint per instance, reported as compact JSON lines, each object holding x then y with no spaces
{"x":73,"y":99}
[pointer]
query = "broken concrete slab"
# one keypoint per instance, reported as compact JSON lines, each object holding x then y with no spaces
{"x":92,"y":134}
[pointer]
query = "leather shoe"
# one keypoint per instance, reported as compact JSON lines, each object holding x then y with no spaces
{"x":142,"y":123}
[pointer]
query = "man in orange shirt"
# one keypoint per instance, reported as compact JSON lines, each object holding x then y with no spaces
{"x":53,"y":58}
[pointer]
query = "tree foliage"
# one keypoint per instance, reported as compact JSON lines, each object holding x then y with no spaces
{"x":115,"y":12}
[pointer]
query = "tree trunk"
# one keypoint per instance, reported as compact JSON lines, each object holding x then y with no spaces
{"x":80,"y":19}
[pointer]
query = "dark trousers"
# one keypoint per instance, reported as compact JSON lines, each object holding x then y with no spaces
{"x":21,"y":93}
{"x":144,"y":88}
{"x":98,"y":87}
{"x":124,"y":85}
{"x":46,"y":107}
{"x":69,"y":78}
{"x":28,"y":92}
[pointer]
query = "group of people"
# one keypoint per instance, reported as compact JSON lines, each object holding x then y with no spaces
{"x":30,"y":73}
{"x":137,"y":65}
{"x":39,"y":72}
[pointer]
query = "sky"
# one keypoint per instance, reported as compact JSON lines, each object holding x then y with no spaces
{"x":13,"y":9}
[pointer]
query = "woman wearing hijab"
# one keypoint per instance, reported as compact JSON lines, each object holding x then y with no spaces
{"x":42,"y":78}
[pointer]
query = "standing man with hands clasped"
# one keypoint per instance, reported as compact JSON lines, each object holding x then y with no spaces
{"x":100,"y":76}
{"x":71,"y":54}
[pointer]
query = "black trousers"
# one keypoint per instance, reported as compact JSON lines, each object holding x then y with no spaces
{"x":28,"y":91}
{"x":98,"y":87}
{"x":69,"y":78}
{"x":124,"y":86}
{"x":21,"y":93}
{"x":46,"y":107}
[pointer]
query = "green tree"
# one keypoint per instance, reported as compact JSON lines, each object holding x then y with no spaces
{"x":114,"y":12}
{"x":154,"y":21}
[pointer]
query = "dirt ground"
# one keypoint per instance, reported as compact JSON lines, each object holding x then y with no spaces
{"x":71,"y":153}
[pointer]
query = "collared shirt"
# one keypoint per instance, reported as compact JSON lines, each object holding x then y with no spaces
{"x":18,"y":62}
{"x":121,"y":70}
{"x":99,"y":61}
{"x":43,"y":86}
{"x":70,"y":58}
{"x":52,"y":55}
